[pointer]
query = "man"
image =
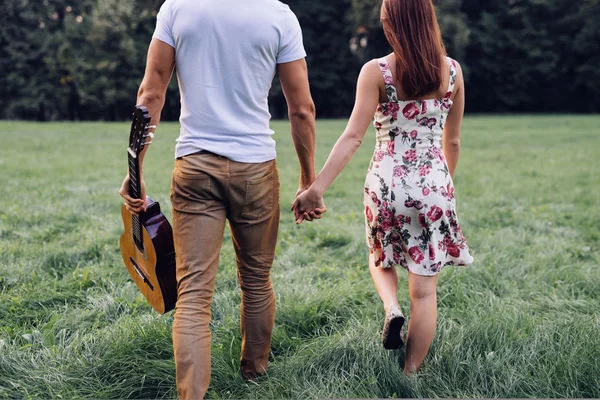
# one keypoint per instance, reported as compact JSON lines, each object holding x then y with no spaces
{"x":227,"y":53}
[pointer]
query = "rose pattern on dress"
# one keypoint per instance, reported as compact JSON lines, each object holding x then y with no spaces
{"x":410,"y":208}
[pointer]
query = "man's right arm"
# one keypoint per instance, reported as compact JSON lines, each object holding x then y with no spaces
{"x":302,"y":113}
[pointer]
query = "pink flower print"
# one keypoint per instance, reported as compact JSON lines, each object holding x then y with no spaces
{"x":428,"y":122}
{"x":380,"y":233}
{"x":411,"y":156}
{"x":389,"y":79}
{"x":413,"y":135}
{"x":376,"y":244}
{"x":435,"y":213}
{"x":448,"y":213}
{"x":426,"y":191}
{"x":411,"y":111}
{"x":434,"y":152}
{"x":369,"y":214}
{"x":386,"y":225}
{"x":396,"y":257}
{"x":445,"y":105}
{"x":424,"y":170}
{"x":413,"y":203}
{"x":379,"y":108}
{"x":390,"y":148}
{"x":375,"y":199}
{"x":386,"y":213}
{"x":423,"y":220}
{"x":453,"y":249}
{"x":453,"y":225}
{"x":398,"y":222}
{"x":378,"y":155}
{"x":400,"y":171}
{"x":424,"y":107}
{"x":450,"y":191}
{"x":393,"y":108}
{"x":431,"y":252}
{"x":447,"y":96}
{"x":395,"y":237}
{"x":378,"y":125}
{"x":416,"y":254}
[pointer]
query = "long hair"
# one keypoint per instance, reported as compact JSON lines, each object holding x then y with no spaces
{"x":412,"y":29}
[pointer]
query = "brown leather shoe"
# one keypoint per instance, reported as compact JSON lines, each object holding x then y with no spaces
{"x":392,"y":329}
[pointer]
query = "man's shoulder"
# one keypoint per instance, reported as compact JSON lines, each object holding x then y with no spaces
{"x":261,"y":6}
{"x":278,"y":4}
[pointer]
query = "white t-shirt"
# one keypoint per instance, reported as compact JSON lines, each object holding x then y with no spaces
{"x":226,"y":56}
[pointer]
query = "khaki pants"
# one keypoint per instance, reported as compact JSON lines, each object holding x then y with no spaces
{"x":206,"y":190}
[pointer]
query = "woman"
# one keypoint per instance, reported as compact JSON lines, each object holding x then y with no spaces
{"x":417,"y":95}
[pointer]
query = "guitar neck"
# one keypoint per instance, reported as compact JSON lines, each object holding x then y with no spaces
{"x":134,"y":176}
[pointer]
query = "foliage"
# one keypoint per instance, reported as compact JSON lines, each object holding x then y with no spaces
{"x":533,"y":55}
{"x":332,"y":67}
{"x":84,"y":59}
{"x":521,"y":322}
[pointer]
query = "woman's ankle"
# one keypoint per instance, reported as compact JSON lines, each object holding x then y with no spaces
{"x":391,"y":306}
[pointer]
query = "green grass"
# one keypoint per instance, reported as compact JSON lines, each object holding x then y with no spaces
{"x":523,"y":321}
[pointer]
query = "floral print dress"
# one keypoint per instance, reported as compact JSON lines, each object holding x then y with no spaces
{"x":409,"y":195}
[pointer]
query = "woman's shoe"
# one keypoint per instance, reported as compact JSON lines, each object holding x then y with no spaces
{"x":392,"y":329}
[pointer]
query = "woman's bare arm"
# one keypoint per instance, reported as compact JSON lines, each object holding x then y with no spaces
{"x":367,"y":99}
{"x":451,"y":136}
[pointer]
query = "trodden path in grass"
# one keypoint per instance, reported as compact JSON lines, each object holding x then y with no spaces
{"x":523,"y":321}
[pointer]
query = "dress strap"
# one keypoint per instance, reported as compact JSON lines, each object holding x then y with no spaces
{"x":452,"y":77}
{"x":388,"y":78}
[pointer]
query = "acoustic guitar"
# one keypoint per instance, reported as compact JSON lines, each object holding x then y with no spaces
{"x":147,"y":244}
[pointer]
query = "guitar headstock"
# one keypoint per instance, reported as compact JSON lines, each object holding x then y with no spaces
{"x":139,"y":130}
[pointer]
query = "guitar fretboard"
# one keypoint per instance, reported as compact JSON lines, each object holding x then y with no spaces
{"x":135,"y":192}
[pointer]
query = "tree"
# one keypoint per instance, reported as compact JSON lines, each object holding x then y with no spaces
{"x":333,"y":69}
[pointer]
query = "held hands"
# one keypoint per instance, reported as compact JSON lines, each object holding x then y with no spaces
{"x":309,"y":205}
{"x":134,"y":206}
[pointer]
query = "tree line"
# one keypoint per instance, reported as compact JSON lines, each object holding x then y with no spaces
{"x":84,"y":59}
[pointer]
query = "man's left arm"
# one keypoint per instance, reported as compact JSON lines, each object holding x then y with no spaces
{"x":152,"y":93}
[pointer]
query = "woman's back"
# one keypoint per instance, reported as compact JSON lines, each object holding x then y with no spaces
{"x":441,"y":92}
{"x":424,"y":117}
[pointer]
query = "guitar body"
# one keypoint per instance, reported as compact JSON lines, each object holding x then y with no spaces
{"x":153,"y":269}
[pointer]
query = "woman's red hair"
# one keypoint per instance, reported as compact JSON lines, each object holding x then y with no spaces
{"x":412,"y":29}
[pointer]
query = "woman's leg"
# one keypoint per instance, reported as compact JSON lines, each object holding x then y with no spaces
{"x":386,"y":283}
{"x":423,"y":318}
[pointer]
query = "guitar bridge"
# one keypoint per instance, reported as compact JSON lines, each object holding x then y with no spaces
{"x":139,"y":271}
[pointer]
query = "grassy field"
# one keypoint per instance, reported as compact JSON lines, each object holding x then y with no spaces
{"x":523,"y":321}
